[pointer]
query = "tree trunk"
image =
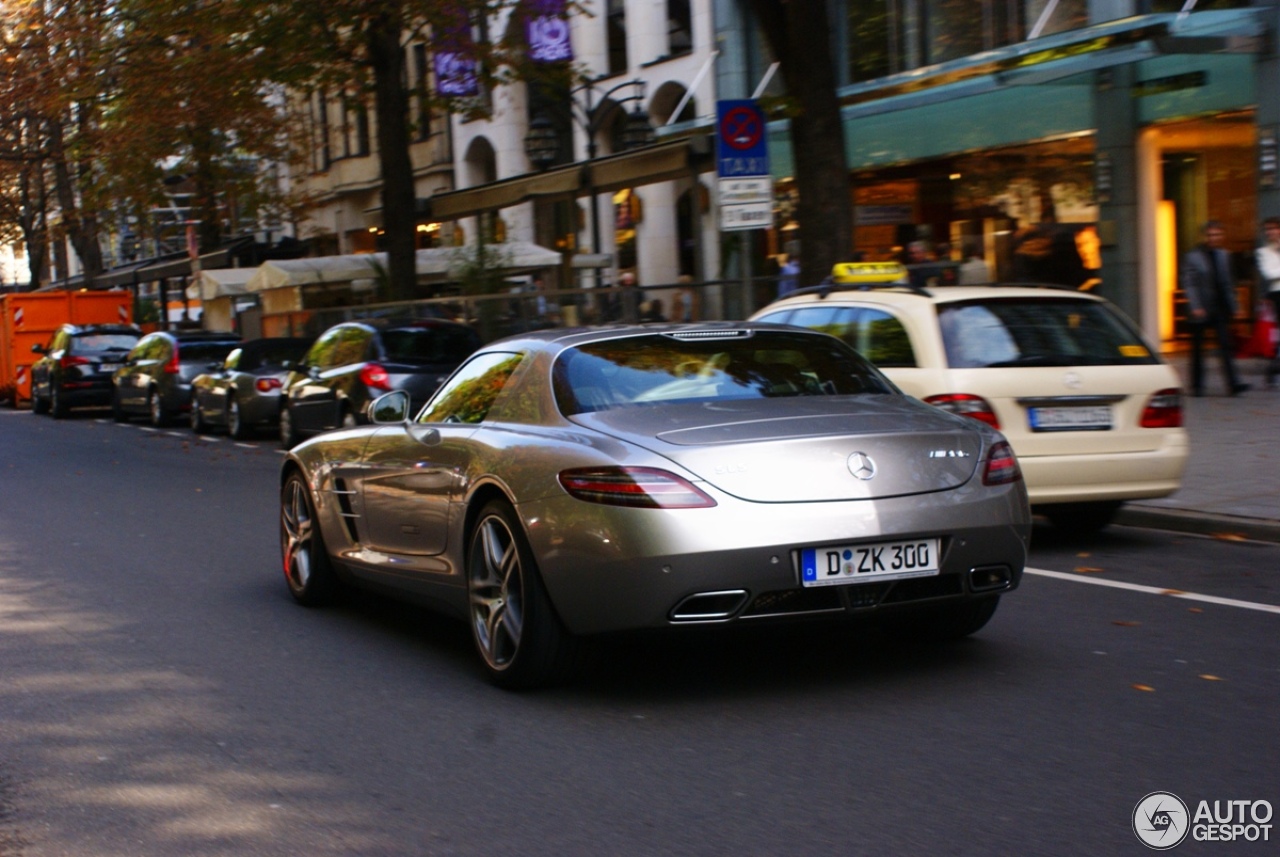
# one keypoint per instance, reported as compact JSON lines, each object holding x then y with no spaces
{"x":800,"y":36}
{"x":81,"y":229}
{"x":391,"y":106}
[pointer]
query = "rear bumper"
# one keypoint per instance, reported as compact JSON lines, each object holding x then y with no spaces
{"x":614,"y":569}
{"x":1106,"y":477}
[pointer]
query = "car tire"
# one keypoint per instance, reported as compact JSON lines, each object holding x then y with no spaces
{"x":308,"y":571}
{"x":517,"y":633}
{"x":235,"y":420}
{"x":1080,"y":518}
{"x":156,"y":412}
{"x":117,"y":410}
{"x":288,"y":434}
{"x":38,"y":405}
{"x":58,"y":408}
{"x":198,"y":425}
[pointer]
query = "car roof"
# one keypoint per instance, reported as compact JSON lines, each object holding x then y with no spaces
{"x":556,"y":339}
{"x":902,"y":294}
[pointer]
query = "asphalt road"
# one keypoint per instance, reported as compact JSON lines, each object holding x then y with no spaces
{"x":161,"y":694}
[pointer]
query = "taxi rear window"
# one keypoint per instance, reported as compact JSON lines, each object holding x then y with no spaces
{"x":996,"y":333}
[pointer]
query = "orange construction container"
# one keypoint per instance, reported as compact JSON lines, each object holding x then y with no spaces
{"x":30,"y":318}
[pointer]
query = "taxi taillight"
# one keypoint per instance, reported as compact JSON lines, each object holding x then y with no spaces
{"x":966,"y":405}
{"x":1163,"y":410}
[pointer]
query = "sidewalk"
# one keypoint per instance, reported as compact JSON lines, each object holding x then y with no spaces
{"x":1232,"y":482}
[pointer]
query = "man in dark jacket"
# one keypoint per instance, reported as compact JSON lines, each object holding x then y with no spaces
{"x":1210,"y":288}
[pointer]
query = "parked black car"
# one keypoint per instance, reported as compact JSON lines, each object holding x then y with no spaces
{"x":155,"y":379}
{"x":353,"y":363}
{"x":76,"y":366}
{"x":243,"y":392}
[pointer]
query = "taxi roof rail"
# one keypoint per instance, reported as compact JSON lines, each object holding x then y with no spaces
{"x":827,"y":286}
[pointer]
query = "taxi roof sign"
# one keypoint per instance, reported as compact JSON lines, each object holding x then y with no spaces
{"x":869,"y":272}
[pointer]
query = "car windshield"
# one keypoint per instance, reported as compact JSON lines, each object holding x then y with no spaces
{"x":104,"y":342}
{"x":663,"y":369}
{"x":997,"y":333}
{"x":447,"y":344}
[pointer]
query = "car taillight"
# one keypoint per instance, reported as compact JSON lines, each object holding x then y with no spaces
{"x":68,"y":360}
{"x":375,"y":376}
{"x":966,"y":405}
{"x":1163,"y":410}
{"x":266,"y":385}
{"x":172,"y":367}
{"x":1001,"y":466}
{"x":644,"y":487}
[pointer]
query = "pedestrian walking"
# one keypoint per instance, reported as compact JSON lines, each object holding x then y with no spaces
{"x":789,"y":276}
{"x":974,"y":270}
{"x":1268,"y":260}
{"x":1210,"y":289}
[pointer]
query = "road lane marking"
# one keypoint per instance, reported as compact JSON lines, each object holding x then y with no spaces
{"x":1156,"y":590}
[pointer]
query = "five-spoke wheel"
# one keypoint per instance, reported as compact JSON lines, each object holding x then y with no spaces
{"x":307,"y":568}
{"x":516,"y":631}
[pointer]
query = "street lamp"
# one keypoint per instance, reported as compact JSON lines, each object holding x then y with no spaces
{"x":541,"y":144}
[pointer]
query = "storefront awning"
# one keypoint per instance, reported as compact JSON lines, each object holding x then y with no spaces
{"x":657,"y":163}
{"x":436,"y":262}
{"x":220,"y":283}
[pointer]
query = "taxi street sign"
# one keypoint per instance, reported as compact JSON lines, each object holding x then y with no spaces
{"x":742,"y":164}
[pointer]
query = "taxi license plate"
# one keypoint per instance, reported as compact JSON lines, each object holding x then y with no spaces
{"x":1096,"y":418}
{"x":845,"y":564}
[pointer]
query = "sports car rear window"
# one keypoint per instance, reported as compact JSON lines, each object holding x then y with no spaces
{"x":1039,"y":332}
{"x":659,"y":369}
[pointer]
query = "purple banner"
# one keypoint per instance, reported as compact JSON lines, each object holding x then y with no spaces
{"x":455,"y":62}
{"x":547,"y":31}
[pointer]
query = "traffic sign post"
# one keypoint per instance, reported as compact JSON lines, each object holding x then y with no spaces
{"x":744,"y":183}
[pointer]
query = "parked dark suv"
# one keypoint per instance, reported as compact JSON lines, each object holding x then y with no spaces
{"x":76,"y":366}
{"x":155,"y":379}
{"x":353,"y":363}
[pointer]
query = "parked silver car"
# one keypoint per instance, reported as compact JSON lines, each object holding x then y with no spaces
{"x":242,"y":393}
{"x":569,"y":483}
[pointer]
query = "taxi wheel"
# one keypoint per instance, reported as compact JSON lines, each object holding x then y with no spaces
{"x":1080,"y":518}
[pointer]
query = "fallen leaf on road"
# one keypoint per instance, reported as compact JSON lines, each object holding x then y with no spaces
{"x":1208,"y":677}
{"x":1083,"y":554}
{"x":1172,"y":592}
{"x":1145,"y":688}
{"x":1124,"y":624}
{"x":1194,"y":610}
{"x":1088,"y":569}
{"x":1230,"y":537}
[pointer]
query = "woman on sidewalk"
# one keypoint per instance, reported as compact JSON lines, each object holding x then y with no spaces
{"x":1268,"y":259}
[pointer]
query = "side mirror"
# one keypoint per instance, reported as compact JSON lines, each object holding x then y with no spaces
{"x":390,"y":408}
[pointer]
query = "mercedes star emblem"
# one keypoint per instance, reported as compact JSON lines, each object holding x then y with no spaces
{"x":861,"y":466}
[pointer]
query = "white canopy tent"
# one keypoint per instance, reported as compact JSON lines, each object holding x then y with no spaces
{"x":434,"y":263}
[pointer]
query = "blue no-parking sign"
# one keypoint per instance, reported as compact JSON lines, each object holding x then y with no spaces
{"x":742,"y":149}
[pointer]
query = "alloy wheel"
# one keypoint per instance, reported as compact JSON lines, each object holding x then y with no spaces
{"x":497,"y":593}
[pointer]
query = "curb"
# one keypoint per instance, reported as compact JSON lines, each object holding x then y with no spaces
{"x":1201,"y":523}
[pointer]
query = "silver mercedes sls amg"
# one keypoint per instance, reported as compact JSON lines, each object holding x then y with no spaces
{"x":568,"y":483}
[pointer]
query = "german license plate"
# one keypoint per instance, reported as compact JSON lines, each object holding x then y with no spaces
{"x":1096,"y":418}
{"x":108,"y":367}
{"x":836,"y":566}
